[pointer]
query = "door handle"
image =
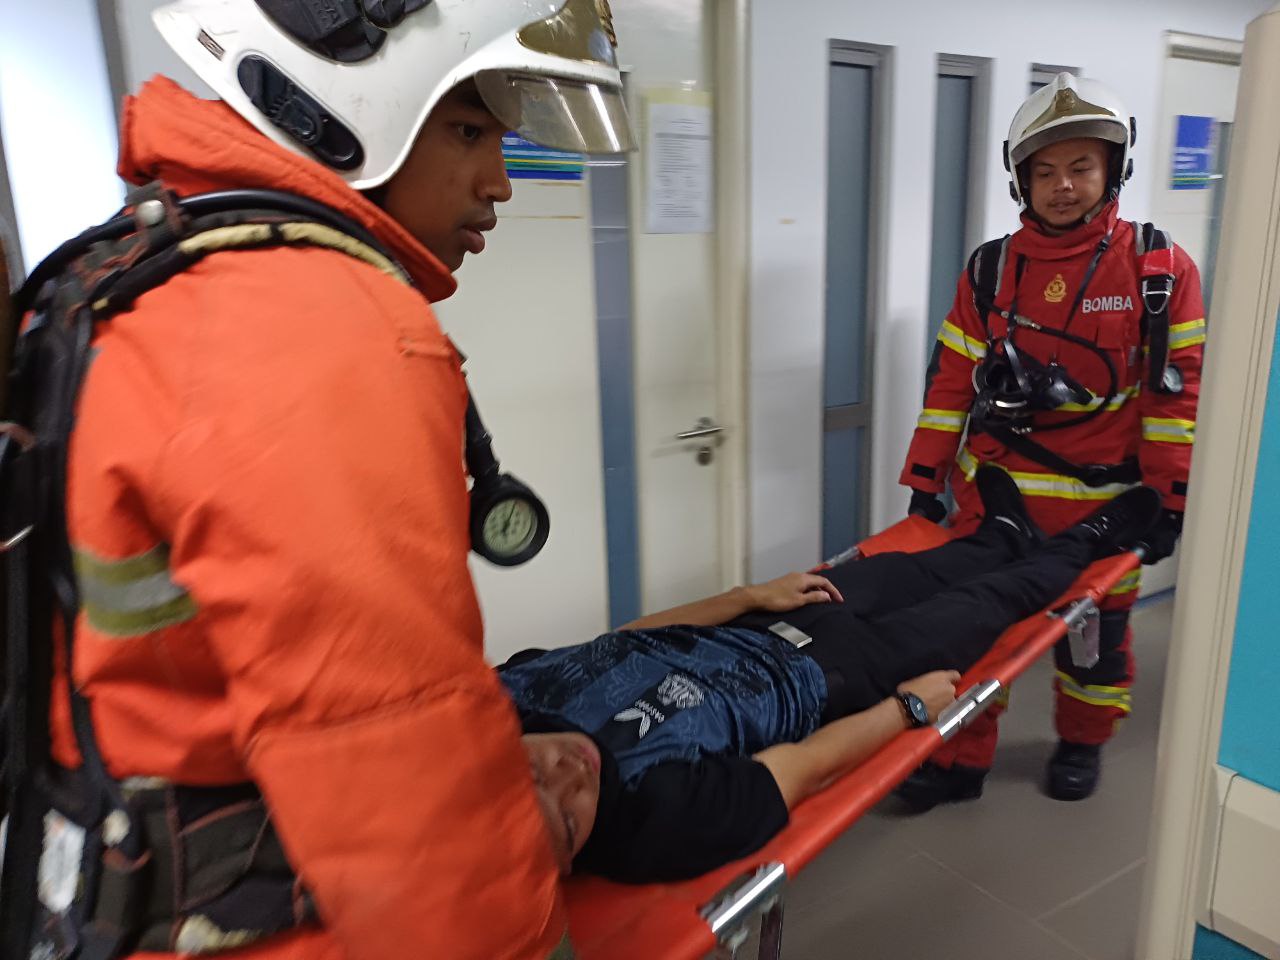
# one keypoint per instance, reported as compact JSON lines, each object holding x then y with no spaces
{"x":704,"y":430}
{"x":705,"y":427}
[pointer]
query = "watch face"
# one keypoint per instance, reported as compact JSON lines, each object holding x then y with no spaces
{"x":510,"y":526}
{"x":916,"y":709}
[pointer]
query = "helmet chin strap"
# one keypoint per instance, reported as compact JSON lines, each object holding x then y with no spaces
{"x":1056,"y":231}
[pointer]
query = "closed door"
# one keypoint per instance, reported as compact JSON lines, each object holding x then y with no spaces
{"x":1189,"y":206}
{"x":853,"y":92}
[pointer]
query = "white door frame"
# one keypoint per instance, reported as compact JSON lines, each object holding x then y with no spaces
{"x":1182,"y":841}
{"x":733,"y":224}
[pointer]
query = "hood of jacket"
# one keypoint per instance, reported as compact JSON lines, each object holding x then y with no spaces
{"x":196,"y":146}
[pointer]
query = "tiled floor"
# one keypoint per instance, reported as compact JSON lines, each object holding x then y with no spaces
{"x":1013,"y":876}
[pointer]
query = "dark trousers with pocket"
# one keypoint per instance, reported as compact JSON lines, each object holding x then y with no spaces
{"x":905,"y":614}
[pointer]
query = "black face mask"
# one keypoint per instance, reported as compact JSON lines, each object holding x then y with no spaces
{"x":1013,"y":386}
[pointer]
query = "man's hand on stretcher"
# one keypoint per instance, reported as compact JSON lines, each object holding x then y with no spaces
{"x":802,"y":769}
{"x":788,"y":592}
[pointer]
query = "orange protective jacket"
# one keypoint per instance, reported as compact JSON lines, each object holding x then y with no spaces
{"x":268,"y":509}
{"x":1158,"y":429}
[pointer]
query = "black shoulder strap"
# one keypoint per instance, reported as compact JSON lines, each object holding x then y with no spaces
{"x":1154,"y":250}
{"x":986,"y":267}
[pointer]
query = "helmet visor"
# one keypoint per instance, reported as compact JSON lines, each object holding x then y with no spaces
{"x":559,"y":113}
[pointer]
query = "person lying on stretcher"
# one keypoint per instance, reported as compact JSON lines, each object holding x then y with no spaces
{"x":680,"y":741}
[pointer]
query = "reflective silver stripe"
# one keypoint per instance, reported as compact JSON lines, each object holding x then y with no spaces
{"x":1165,"y":430}
{"x":1189,"y":334}
{"x":132,"y":596}
{"x":1118,"y":401}
{"x":1095,"y":695}
{"x":948,"y":421}
{"x":1046,"y":484}
{"x":955,"y":338}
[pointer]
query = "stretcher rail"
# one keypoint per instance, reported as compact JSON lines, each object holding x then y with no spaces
{"x":712,"y":915}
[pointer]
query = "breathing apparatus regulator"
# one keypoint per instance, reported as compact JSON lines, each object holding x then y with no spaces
{"x":1011,"y":386}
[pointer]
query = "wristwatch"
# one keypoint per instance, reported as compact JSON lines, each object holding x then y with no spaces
{"x":917,"y":712}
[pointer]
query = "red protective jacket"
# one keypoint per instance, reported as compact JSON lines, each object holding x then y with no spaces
{"x":1156,"y":428}
{"x":268,"y":509}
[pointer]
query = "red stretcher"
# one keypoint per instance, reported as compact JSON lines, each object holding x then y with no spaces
{"x":715,"y":913}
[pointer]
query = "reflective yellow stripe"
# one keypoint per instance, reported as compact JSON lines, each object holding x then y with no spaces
{"x":948,"y":421}
{"x":1189,"y":334}
{"x":133,"y":596}
{"x":963,"y":344}
{"x":1118,"y":401}
{"x":1045,"y":484}
{"x":1165,"y":430}
{"x":1095,"y":694}
{"x":1126,"y":584}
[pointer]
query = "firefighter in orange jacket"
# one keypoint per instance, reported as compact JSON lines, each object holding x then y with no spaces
{"x":1071,"y":358}
{"x":267,"y":504}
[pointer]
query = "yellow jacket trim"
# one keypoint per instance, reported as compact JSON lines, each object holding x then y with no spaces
{"x":1126,"y":584}
{"x":1118,"y":401}
{"x":1046,"y":484}
{"x":968,"y":347}
{"x":1167,"y":430}
{"x":132,"y":596}
{"x":1189,"y":334}
{"x":1095,"y":694}
{"x":948,"y":421}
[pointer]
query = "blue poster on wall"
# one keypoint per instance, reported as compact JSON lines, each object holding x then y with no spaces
{"x":528,"y":161}
{"x":1192,"y":153}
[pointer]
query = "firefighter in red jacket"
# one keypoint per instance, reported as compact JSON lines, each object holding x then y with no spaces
{"x":1071,"y":358}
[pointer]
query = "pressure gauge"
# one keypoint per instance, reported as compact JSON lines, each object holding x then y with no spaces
{"x":509,"y":524}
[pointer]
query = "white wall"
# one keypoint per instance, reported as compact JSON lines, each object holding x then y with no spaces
{"x":1120,"y":43}
{"x":57,"y":121}
{"x":146,"y":54}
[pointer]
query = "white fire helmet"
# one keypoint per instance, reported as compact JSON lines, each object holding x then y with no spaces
{"x":1063,"y":109}
{"x":350,"y":82}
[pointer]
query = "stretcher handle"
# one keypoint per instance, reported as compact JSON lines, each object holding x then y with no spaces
{"x":730,"y":913}
{"x":966,"y":708}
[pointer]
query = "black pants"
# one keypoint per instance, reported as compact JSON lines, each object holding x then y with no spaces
{"x":905,"y":614}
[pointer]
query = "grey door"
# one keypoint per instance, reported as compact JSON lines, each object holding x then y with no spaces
{"x":847,"y":370}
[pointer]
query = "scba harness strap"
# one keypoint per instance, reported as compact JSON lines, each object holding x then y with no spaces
{"x":1154,"y":255}
{"x":155,"y":866}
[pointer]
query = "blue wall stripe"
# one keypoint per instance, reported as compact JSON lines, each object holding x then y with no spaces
{"x":1251,"y":723}
{"x":1214,"y":946}
{"x":611,"y":245}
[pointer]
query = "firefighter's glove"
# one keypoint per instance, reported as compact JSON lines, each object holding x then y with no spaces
{"x":927,"y":505}
{"x":1159,"y":541}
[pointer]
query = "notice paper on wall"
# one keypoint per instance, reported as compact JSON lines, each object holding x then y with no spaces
{"x":679,"y":188}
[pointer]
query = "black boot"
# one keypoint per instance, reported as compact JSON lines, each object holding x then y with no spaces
{"x":1002,"y":503}
{"x":931,"y":785}
{"x":1120,"y":524}
{"x":1073,"y":770}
